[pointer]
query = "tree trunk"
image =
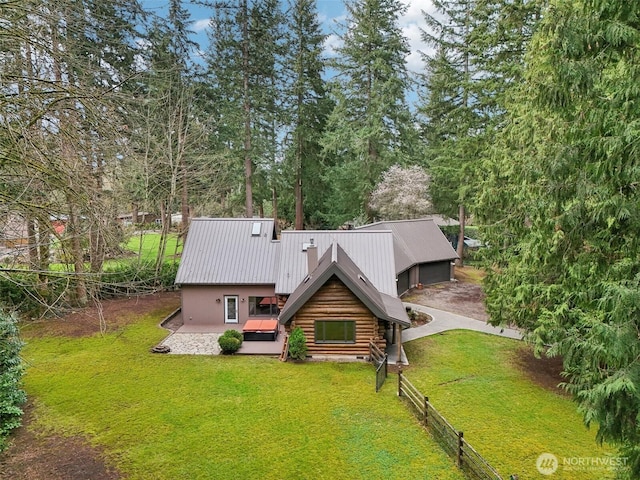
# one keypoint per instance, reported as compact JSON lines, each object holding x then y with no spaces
{"x":298,"y":187}
{"x":33,"y":242}
{"x":248,"y":163}
{"x":134,"y":213}
{"x":460,"y":249}
{"x":73,"y":228}
{"x":165,"y":211}
{"x":274,"y":204}
{"x":184,"y":201}
{"x":44,"y":236}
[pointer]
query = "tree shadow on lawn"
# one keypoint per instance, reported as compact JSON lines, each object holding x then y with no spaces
{"x":543,"y":371}
{"x":34,"y":456}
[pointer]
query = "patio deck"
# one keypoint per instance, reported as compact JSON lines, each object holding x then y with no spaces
{"x":203,"y":339}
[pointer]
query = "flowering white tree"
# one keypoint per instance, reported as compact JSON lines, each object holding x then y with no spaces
{"x":403,"y":193}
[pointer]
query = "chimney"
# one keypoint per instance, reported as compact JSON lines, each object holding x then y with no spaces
{"x":312,"y":257}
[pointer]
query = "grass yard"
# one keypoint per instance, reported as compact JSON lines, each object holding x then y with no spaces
{"x":200,"y":417}
{"x":148,"y":243}
{"x":474,"y":380}
{"x":470,"y":274}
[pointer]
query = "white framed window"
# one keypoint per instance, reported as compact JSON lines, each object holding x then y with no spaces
{"x":231,"y":309}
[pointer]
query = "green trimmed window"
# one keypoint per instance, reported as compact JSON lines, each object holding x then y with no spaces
{"x":335,"y":331}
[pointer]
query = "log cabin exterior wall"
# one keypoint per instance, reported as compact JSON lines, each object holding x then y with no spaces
{"x":334,"y":301}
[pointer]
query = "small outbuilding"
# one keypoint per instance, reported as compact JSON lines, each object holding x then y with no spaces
{"x":423,"y":255}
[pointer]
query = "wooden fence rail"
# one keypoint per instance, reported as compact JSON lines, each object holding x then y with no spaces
{"x":381,"y":361}
{"x":451,"y":440}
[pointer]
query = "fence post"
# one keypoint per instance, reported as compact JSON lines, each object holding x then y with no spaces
{"x":426,"y":409}
{"x":459,"y":452}
{"x":399,"y":381}
{"x":386,"y":365}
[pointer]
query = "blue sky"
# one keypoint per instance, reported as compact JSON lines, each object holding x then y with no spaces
{"x":330,"y":12}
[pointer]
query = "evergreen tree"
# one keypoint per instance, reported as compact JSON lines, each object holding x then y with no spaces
{"x":245,"y":74}
{"x":12,"y":397}
{"x":308,"y":108}
{"x":478,"y":59}
{"x":562,"y":209}
{"x":69,"y":61}
{"x":453,"y":121}
{"x":168,"y":135}
{"x":370,"y":127}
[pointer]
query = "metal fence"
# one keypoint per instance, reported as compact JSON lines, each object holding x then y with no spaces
{"x":451,"y":440}
{"x":380,"y":360}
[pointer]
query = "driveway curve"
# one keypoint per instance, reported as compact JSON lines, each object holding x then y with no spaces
{"x":443,"y":321}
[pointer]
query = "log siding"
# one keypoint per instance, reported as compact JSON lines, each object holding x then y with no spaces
{"x":334,"y":301}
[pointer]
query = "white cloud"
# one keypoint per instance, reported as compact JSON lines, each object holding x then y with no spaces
{"x":411,"y":23}
{"x":200,"y":25}
{"x":331,"y":44}
{"x":415,"y":9}
{"x":413,"y":34}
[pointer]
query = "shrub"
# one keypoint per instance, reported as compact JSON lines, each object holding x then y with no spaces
{"x":11,"y":394}
{"x":234,"y":334}
{"x":230,"y":341}
{"x":297,"y":344}
{"x":133,"y":277}
{"x":24,"y":293}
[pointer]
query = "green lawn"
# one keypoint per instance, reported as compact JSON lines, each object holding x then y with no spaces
{"x":148,"y":243}
{"x":469,"y":274}
{"x":199,"y":417}
{"x":474,"y":381}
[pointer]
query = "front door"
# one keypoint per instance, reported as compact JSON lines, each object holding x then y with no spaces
{"x":231,"y":309}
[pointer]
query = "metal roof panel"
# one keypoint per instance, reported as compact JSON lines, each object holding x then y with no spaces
{"x":224,"y":251}
{"x":415,"y":241}
{"x":371,"y":251}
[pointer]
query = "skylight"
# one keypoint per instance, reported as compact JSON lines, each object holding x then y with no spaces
{"x":255,"y":229}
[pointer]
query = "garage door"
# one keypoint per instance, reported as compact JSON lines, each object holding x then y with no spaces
{"x":435,"y":272}
{"x":403,"y":282}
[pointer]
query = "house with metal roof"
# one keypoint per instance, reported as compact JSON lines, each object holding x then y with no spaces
{"x":235,"y":271}
{"x":339,"y":309}
{"x":423,"y":255}
{"x":227,"y":271}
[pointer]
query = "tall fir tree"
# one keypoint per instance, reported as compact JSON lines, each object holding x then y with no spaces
{"x":478,"y":59}
{"x":562,"y":207}
{"x":452,"y":120}
{"x":308,"y":107}
{"x":64,"y":131}
{"x":245,"y":73}
{"x":166,"y":138}
{"x":371,"y":126}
